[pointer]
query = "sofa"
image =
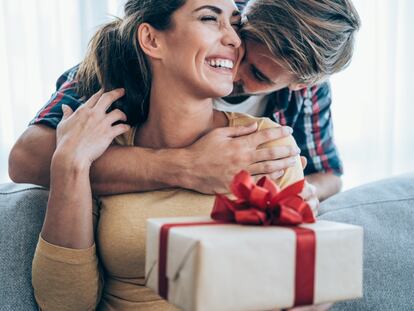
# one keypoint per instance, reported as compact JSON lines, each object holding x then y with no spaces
{"x":385,"y":209}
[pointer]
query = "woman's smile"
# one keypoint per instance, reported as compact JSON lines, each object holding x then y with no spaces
{"x":220,"y":64}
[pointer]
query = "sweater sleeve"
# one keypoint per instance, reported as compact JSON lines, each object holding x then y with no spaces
{"x":65,"y":278}
{"x":291,"y":174}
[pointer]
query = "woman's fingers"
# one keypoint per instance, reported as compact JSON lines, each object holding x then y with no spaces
{"x":67,"y":111}
{"x":119,"y":129}
{"x":91,"y":102}
{"x":103,"y":100}
{"x":115,"y":116}
{"x":107,"y":99}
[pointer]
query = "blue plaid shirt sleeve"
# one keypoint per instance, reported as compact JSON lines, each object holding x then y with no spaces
{"x":313,"y":130}
{"x":241,"y":4}
{"x":51,"y":113}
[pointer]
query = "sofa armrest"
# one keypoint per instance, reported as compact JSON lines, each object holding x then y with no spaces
{"x":22,"y":210}
{"x":385,"y":209}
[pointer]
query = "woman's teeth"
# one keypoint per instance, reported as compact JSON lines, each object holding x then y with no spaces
{"x":223,"y":63}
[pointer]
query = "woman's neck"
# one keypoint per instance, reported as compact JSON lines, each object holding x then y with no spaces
{"x":177,"y":120}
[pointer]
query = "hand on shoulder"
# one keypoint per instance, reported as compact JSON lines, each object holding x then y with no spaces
{"x":84,"y":135}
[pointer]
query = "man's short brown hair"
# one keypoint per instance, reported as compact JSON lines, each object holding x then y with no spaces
{"x":311,"y":38}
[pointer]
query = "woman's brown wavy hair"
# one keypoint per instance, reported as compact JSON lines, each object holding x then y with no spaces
{"x":115,"y":58}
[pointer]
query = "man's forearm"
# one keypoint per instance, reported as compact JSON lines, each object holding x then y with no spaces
{"x":123,"y":169}
{"x":119,"y":170}
{"x":135,"y":169}
{"x":327,"y":184}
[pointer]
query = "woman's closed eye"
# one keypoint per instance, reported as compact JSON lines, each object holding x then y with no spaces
{"x":258,"y":75}
{"x":208,"y":18}
{"x":214,"y":19}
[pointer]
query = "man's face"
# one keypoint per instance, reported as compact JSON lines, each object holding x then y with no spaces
{"x":259,"y":73}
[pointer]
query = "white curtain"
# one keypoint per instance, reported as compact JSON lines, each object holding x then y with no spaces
{"x":372,"y":100}
{"x":39,"y":40}
{"x":372,"y":109}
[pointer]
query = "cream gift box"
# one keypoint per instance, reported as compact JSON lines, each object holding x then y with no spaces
{"x":225,"y":267}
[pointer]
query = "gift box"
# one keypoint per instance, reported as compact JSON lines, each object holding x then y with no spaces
{"x":259,"y":250}
{"x":202,"y":264}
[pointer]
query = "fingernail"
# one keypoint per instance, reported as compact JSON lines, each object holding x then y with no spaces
{"x":292,"y":162}
{"x":288,"y":129}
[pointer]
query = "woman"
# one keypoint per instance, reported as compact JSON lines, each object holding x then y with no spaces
{"x":183,"y":51}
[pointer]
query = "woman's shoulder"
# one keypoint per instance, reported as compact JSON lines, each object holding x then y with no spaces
{"x":242,"y":119}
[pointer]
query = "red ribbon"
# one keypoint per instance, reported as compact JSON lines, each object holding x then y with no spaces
{"x":305,"y":266}
{"x":260,"y":204}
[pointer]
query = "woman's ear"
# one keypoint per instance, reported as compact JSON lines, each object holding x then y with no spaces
{"x":149,"y":40}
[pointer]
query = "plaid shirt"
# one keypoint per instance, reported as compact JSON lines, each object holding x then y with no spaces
{"x":307,"y":111}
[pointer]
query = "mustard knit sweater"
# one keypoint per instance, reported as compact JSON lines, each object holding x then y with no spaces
{"x":110,"y":274}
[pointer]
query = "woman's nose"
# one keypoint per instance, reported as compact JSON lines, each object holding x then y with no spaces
{"x":230,"y":37}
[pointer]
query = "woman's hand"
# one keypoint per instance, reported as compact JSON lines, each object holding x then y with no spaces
{"x":85,"y":134}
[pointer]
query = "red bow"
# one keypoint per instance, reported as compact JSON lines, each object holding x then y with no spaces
{"x":262,"y":203}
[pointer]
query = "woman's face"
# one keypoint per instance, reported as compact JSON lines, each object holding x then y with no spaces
{"x":203,"y":47}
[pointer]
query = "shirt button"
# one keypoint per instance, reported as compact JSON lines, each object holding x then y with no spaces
{"x":307,"y":102}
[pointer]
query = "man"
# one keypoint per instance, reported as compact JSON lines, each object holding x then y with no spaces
{"x":291,"y":46}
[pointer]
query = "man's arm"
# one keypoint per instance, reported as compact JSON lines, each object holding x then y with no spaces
{"x":130,"y":169}
{"x":119,"y":170}
{"x":326,"y":184}
{"x":313,"y":132}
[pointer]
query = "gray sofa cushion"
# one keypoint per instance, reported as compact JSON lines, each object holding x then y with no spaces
{"x":386,"y":211}
{"x":22,"y":209}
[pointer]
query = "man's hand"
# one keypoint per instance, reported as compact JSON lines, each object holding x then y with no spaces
{"x":217,"y":157}
{"x":309,"y":193}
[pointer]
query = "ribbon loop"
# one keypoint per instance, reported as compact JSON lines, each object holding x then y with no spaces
{"x":263,"y":203}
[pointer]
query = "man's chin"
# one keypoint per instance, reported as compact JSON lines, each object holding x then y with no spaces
{"x":242,"y":93}
{"x":238,"y":91}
